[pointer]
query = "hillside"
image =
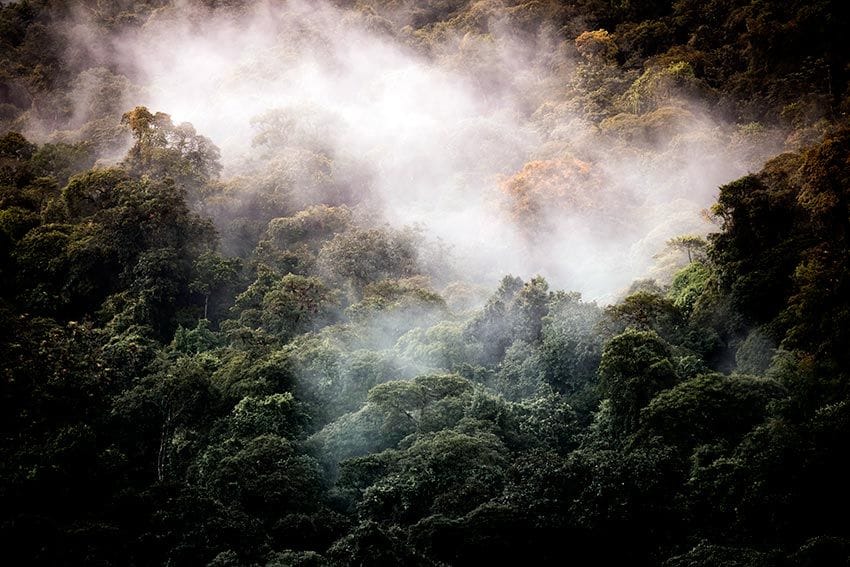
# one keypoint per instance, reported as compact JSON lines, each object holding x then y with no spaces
{"x":387,"y":282}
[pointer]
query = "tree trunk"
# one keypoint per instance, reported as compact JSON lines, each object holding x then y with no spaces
{"x":163,"y":447}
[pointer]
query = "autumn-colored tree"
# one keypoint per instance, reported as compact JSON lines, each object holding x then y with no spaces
{"x":546,"y":188}
{"x":596,"y":45}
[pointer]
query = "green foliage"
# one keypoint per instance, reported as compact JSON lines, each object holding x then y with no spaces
{"x":782,"y":234}
{"x":175,"y":402}
{"x":659,"y":84}
{"x":658,"y":127}
{"x":295,"y":304}
{"x":647,"y":311}
{"x":163,"y":150}
{"x":708,"y":554}
{"x":462,"y":471}
{"x":93,"y":191}
{"x":15,"y":222}
{"x":521,"y":373}
{"x":634,"y":368}
{"x":688,"y":285}
{"x":371,"y":544}
{"x":709,"y":409}
{"x":571,"y":345}
{"x":391,"y":308}
{"x":213,"y":273}
{"x":755,"y":353}
{"x":252,"y":371}
{"x":41,"y":262}
{"x":300,"y":393}
{"x":693,"y":245}
{"x":597,"y":81}
{"x":514,"y":312}
{"x":546,"y":422}
{"x":440,"y":347}
{"x":264,"y":475}
{"x":365,"y":256}
{"x":758,"y":248}
{"x":292,"y":243}
{"x":417,"y":402}
{"x":15,"y":152}
{"x":193,"y":341}
{"x":62,"y":161}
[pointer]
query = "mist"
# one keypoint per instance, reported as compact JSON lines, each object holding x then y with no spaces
{"x":426,"y":138}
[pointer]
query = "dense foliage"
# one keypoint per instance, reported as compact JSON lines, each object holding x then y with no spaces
{"x":295,"y":383}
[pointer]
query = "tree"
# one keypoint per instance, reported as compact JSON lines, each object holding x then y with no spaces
{"x":93,"y":191}
{"x":709,"y":409}
{"x":688,"y":285}
{"x":362,"y":256}
{"x":162,"y":150}
{"x":571,"y":348}
{"x":543,"y":187}
{"x":62,"y":161}
{"x":648,"y":311}
{"x":406,"y":403}
{"x":658,"y":84}
{"x":597,"y":80}
{"x":296,"y":303}
{"x":264,"y":475}
{"x":292,"y":243}
{"x":450,"y":472}
{"x":174,"y":400}
{"x":690,"y":243}
{"x":41,"y":266}
{"x":15,"y":153}
{"x":597,"y":44}
{"x":635,"y":367}
{"x":514,"y":312}
{"x":762,"y":238}
{"x":391,"y":308}
{"x":212,"y":272}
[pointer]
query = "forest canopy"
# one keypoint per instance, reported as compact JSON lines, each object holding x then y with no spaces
{"x":424,"y":283}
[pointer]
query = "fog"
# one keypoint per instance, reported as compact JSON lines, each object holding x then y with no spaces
{"x":431,"y":137}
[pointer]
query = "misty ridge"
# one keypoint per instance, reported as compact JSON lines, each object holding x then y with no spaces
{"x":427,"y":283}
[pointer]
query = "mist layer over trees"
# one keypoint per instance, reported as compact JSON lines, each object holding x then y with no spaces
{"x":424,"y":283}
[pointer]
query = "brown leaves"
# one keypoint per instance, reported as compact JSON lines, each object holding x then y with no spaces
{"x":543,"y":188}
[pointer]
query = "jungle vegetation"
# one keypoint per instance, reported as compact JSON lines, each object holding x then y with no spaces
{"x":193,"y":377}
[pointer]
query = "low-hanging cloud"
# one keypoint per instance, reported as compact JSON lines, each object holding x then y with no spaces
{"x":439,"y":132}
